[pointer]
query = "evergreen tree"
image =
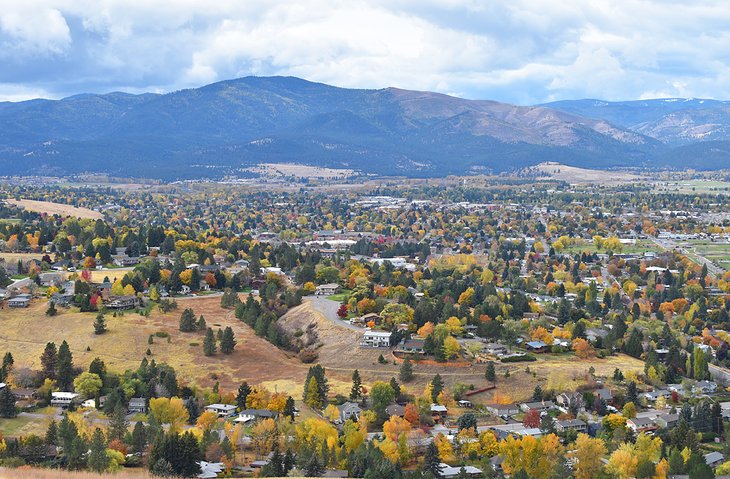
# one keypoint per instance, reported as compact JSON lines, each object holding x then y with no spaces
{"x":313,"y":468}
{"x":64,"y":373}
{"x":356,"y":390}
{"x":118,"y":425}
{"x":432,"y":461}
{"x":52,"y":433}
{"x":396,"y":387}
{"x":406,"y":371}
{"x":188,"y":321}
{"x":228,"y":341}
{"x":676,"y":462}
{"x":201,"y":323}
{"x":209,"y":343}
{"x":7,"y":403}
{"x":289,"y":408}
{"x":632,"y":394}
{"x":537,"y":393}
{"x":51,"y":311}
{"x":100,"y":324}
{"x":98,"y":460}
{"x":49,"y":361}
{"x":241,"y":399}
{"x":437,"y":386}
{"x":139,"y":437}
{"x":490,"y":375}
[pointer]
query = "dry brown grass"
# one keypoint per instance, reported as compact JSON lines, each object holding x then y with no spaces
{"x":14,"y":257}
{"x":36,"y":473}
{"x":55,"y":208}
{"x":572,"y":174}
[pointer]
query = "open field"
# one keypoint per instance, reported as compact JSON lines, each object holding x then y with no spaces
{"x":37,"y":473}
{"x":25,"y":333}
{"x":55,"y":208}
{"x":575,"y":175}
{"x":14,"y":257}
{"x":695,"y":186}
{"x":641,"y":246}
{"x":302,"y":171}
{"x":717,"y":252}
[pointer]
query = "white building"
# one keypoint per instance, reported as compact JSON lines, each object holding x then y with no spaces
{"x":222,"y":410}
{"x":376,"y":339}
{"x":62,"y":399}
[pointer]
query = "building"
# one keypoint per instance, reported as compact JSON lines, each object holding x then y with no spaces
{"x":536,"y":346}
{"x":449,"y":471}
{"x":327,"y":289}
{"x":137,"y":405}
{"x":641,"y":424}
{"x":667,"y":421}
{"x":63,"y":399}
{"x":412,"y":346}
{"x":349,"y":410}
{"x":210,"y":470}
{"x":376,"y":339}
{"x":395,"y":410}
{"x":223,"y":410}
{"x":253,"y":415}
{"x":539,"y":406}
{"x":495,"y":349}
{"x":714,"y":459}
{"x":503,"y":410}
{"x":438,"y":412}
{"x":574,"y":424}
{"x":22,"y":301}
{"x":122,"y":302}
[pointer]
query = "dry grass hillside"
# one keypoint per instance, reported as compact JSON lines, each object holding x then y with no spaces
{"x":55,"y":208}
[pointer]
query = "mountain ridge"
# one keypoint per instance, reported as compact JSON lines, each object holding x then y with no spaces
{"x":225,"y":127}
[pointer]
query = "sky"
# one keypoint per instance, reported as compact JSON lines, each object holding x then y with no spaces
{"x":517,"y":51}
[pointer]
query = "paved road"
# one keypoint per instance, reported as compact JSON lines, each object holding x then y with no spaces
{"x":329,"y":308}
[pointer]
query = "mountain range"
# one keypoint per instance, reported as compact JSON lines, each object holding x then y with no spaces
{"x":223,"y":128}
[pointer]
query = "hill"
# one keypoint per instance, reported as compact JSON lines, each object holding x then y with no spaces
{"x":222,"y":128}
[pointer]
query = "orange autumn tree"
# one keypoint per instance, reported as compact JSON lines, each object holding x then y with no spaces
{"x":583,"y":349}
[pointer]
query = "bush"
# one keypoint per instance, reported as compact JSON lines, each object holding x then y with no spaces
{"x":194,"y":344}
{"x":519,"y":359}
{"x":307,"y":356}
{"x":162,"y":334}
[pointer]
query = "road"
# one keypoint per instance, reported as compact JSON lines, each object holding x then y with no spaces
{"x":328,"y":309}
{"x":712,"y":268}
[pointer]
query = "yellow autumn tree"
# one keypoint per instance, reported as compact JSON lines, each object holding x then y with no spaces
{"x":588,"y":454}
{"x":170,"y":411}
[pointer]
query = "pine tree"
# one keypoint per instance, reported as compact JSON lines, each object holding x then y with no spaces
{"x":188,"y":321}
{"x":241,"y":399}
{"x":356,"y":390}
{"x":289,"y":408}
{"x":313,"y":468}
{"x":98,"y":460}
{"x":52,"y":433}
{"x":228,"y":341}
{"x":537,"y":393}
{"x":64,"y":373}
{"x":51,"y":311}
{"x":437,"y":385}
{"x":490,"y":375}
{"x":49,"y":361}
{"x":432,"y":461}
{"x":209,"y":343}
{"x":7,"y":403}
{"x":139,"y":437}
{"x":201,"y":323}
{"x":406,"y":371}
{"x":100,"y":324}
{"x":118,"y":426}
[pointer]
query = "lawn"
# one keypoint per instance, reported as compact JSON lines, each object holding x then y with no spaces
{"x":23,"y":425}
{"x":343,"y":295}
{"x":641,"y":246}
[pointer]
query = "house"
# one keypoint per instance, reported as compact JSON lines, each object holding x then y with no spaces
{"x":223,"y":410}
{"x":348,"y":410}
{"x":210,"y":470}
{"x":503,"y":410}
{"x":252,"y":415}
{"x":438,"y":411}
{"x":449,"y":471}
{"x":367,"y":318}
{"x":137,"y":405}
{"x":495,"y":349}
{"x":714,"y":459}
{"x":376,"y":339}
{"x":641,"y":424}
{"x":604,"y":393}
{"x":652,"y":396}
{"x":412,"y":346}
{"x":122,"y":302}
{"x":667,"y":421}
{"x":63,"y":399}
{"x":395,"y":410}
{"x":62,"y":300}
{"x":570,"y":400}
{"x":50,"y":279}
{"x":570,"y":424}
{"x":327,"y":289}
{"x":465,"y":403}
{"x":22,"y":301}
{"x":539,"y":406}
{"x":536,"y":346}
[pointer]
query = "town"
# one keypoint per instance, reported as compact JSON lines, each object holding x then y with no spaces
{"x":524,"y":328}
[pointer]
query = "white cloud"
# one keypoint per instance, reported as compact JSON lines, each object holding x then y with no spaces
{"x":513,"y":50}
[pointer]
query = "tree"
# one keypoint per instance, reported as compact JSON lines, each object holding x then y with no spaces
{"x":243,"y":391}
{"x":100,"y":324}
{"x":467,"y":421}
{"x":312,"y":397}
{"x":49,"y":361}
{"x":118,"y":425}
{"x":313,"y":468}
{"x":437,"y":386}
{"x":532,"y":418}
{"x":432,"y":461}
{"x":356,"y":390}
{"x":209,"y":343}
{"x":228,"y":341}
{"x":490,"y":374}
{"x":51,"y":311}
{"x":583,"y":348}
{"x":98,"y":460}
{"x":170,"y":411}
{"x":588,"y":452}
{"x":139,"y":437}
{"x":188,"y":321}
{"x":64,"y":373}
{"x":381,"y":395}
{"x":406,"y":371}
{"x":88,"y":384}
{"x":289,"y":408}
{"x":7,"y":403}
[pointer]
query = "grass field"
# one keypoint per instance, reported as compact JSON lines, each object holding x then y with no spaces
{"x":55,"y":208}
{"x":718,"y":253}
{"x":695,"y":186}
{"x":641,"y":246}
{"x":14,"y":257}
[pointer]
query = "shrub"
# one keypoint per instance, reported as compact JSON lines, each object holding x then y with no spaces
{"x":308,"y":356}
{"x":519,"y":359}
{"x":162,"y":334}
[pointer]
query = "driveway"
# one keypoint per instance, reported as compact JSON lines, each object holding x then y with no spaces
{"x":329,"y":308}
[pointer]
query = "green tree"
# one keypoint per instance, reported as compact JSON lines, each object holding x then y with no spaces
{"x":289,"y":408}
{"x":209,"y":343}
{"x":98,"y":461}
{"x":65,"y":366}
{"x":188,"y":321}
{"x":228,"y":341}
{"x":243,"y":391}
{"x":49,"y":361}
{"x":118,"y":425}
{"x":432,"y":461}
{"x":51,"y":311}
{"x":437,"y":386}
{"x":87,"y":384}
{"x":490,"y":375}
{"x":356,"y":390}
{"x":7,"y":403}
{"x":100,"y":324}
{"x":312,"y":398}
{"x":381,"y":395}
{"x":406,"y":371}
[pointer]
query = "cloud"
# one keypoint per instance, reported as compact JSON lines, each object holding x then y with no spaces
{"x":523,"y":51}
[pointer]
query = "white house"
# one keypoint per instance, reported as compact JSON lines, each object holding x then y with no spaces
{"x":376,"y":339}
{"x":62,"y":399}
{"x":327,"y":289}
{"x":223,"y":410}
